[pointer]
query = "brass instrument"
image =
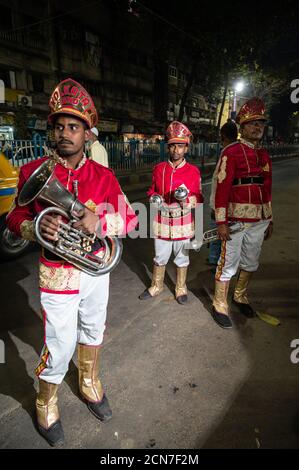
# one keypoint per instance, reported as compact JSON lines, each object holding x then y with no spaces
{"x":73,"y":245}
{"x":212,"y":235}
{"x":157,"y":200}
{"x":181,"y":193}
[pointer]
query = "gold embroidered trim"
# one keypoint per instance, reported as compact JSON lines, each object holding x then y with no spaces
{"x":175,"y":212}
{"x":43,"y":361}
{"x":91,"y":205}
{"x":221,"y":261}
{"x":179,"y":166}
{"x":267,"y":210}
{"x":222,"y":172}
{"x":220,"y":214}
{"x":192,"y":202}
{"x":27,"y":230}
{"x":115,"y":224}
{"x":172,"y":232}
{"x":245,"y":210}
{"x":249,"y":144}
{"x":58,"y":278}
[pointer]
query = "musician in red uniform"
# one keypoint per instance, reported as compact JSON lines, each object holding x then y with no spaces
{"x":74,"y":303}
{"x":243,"y":194}
{"x":174,"y":223}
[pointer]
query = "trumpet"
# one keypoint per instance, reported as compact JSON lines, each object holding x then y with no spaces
{"x":212,"y":235}
{"x":73,"y":245}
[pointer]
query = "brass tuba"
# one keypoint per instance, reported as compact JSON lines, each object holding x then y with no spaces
{"x":73,"y":245}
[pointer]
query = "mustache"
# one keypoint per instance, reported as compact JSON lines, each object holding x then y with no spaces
{"x":65,"y":141}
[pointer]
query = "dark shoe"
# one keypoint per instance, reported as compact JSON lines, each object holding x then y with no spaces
{"x":182,"y":299}
{"x":245,"y":309}
{"x":145,"y":295}
{"x":101,"y":410}
{"x":221,"y":319}
{"x":54,"y":435}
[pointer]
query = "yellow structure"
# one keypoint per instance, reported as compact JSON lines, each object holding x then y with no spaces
{"x":11,"y":246}
{"x":8,"y":184}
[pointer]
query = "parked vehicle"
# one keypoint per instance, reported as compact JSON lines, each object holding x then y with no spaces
{"x":20,"y":152}
{"x":11,"y":246}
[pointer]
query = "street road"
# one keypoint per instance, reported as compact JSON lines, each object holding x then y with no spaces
{"x":173,"y":377}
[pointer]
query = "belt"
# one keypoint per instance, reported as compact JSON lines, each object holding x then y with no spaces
{"x":250,"y":180}
{"x":173,"y":213}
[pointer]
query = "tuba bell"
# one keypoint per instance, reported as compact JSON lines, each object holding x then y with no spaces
{"x":73,"y":245}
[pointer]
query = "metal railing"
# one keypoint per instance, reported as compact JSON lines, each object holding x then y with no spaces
{"x":133,"y":156}
{"x":34,"y":41}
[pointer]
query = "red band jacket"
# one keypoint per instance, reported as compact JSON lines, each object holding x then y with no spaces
{"x":175,"y":220}
{"x":98,"y":189}
{"x":243,"y":202}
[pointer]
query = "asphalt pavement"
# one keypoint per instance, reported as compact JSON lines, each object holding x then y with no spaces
{"x":174,"y":379}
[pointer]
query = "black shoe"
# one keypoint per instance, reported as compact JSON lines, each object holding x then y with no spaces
{"x":182,"y":299}
{"x":145,"y":295}
{"x":54,"y":435}
{"x":245,"y":309}
{"x":221,"y":319}
{"x":101,"y":410}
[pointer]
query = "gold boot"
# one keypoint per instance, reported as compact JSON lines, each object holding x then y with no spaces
{"x":220,"y":305}
{"x":157,"y":283}
{"x":48,"y":421}
{"x":240,"y":294}
{"x":181,"y":288}
{"x":89,"y":383}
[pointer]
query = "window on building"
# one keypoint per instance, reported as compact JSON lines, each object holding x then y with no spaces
{"x":5,"y":18}
{"x":36,"y":32}
{"x":182,"y":76}
{"x":4,"y":75}
{"x":173,"y":71}
{"x":12,"y":77}
{"x":135,"y":98}
{"x":38,"y":82}
{"x":94,"y":88}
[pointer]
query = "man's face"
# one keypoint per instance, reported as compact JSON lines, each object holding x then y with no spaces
{"x":253,"y":130}
{"x":70,"y":135}
{"x":177,"y":151}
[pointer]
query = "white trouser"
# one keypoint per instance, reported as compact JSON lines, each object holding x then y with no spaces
{"x":164,"y":248}
{"x":242,"y":251}
{"x":72,"y":318}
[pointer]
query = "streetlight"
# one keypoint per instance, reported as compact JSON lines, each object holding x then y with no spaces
{"x":238,"y":86}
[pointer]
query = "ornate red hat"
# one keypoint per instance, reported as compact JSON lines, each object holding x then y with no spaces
{"x":252,"y":110}
{"x":178,"y":133}
{"x":69,"y":97}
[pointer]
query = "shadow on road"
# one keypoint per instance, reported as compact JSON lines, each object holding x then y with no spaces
{"x":21,"y":326}
{"x":18,"y":320}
